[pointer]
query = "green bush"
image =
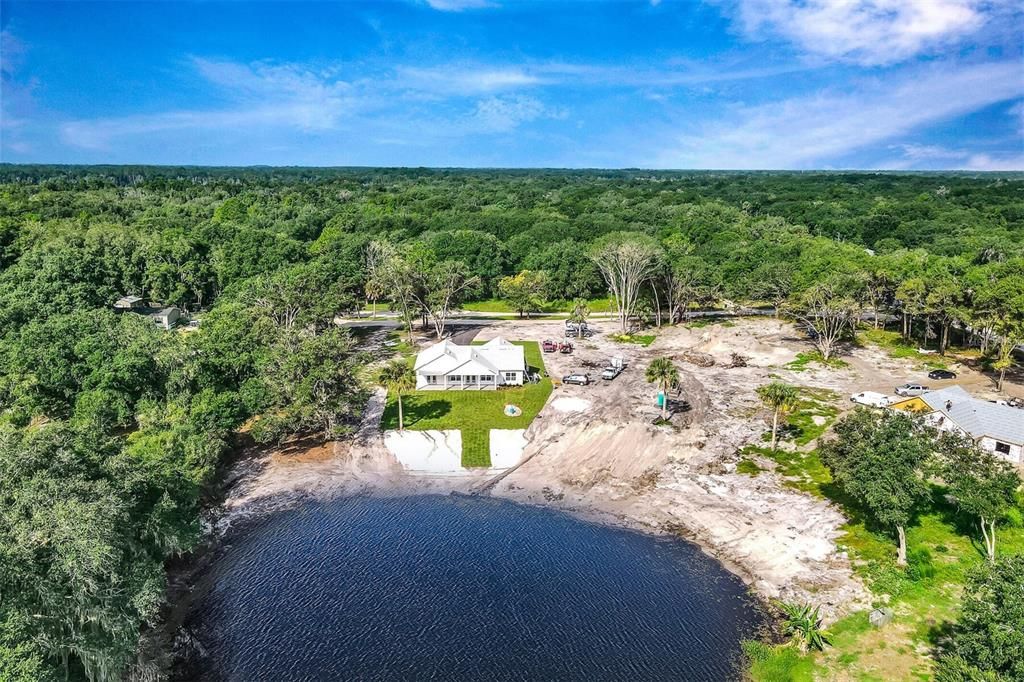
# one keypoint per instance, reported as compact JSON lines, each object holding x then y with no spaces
{"x":919,"y":564}
{"x":779,"y":663}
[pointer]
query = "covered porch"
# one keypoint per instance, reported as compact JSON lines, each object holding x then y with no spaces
{"x":457,"y":382}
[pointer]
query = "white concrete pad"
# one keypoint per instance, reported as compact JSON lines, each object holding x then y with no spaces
{"x":435,"y":452}
{"x":507,"y":447}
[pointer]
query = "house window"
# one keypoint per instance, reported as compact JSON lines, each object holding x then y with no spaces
{"x":510,"y":377}
{"x":487,"y":378}
{"x":431,"y":378}
{"x":1002,"y":448}
{"x":455,"y":379}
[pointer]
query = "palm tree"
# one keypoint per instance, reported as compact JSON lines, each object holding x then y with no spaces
{"x":781,"y":398}
{"x":803,"y":625}
{"x":398,"y":377}
{"x":663,"y":372}
{"x":578,"y":316}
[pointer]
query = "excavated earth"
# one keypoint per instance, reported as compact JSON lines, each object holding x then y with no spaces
{"x":596,"y":451}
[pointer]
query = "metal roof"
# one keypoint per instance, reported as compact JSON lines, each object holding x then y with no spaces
{"x":497,"y":355}
{"x":978,"y":417}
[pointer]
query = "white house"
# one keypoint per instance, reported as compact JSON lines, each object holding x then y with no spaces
{"x":166,"y":318}
{"x":996,"y":428}
{"x":446,"y":366}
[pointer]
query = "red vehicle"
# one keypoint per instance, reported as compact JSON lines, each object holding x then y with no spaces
{"x":549,"y":346}
{"x":565,"y":348}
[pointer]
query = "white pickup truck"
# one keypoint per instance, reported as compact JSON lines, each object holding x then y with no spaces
{"x":613,"y":369}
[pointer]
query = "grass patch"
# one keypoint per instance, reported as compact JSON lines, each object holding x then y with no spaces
{"x":749,"y":467}
{"x":801,"y":471}
{"x":804,"y":360}
{"x":896,"y":347}
{"x":813,"y":414}
{"x":495,"y":305}
{"x":639,"y":339}
{"x":779,"y":663}
{"x":476,"y":448}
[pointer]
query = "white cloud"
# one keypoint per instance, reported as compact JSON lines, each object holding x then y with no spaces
{"x":806,"y":132}
{"x":17,"y":103}
{"x":869,"y":32}
{"x":454,"y":79}
{"x":986,"y":162}
{"x":1017,"y":111}
{"x":458,"y":5}
{"x":926,"y":152}
{"x":266,"y":95}
{"x":501,"y":114}
{"x":263,"y":95}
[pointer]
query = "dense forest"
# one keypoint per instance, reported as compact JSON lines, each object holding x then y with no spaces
{"x":113,"y":431}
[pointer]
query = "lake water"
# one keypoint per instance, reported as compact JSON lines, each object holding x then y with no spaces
{"x":455,"y":588}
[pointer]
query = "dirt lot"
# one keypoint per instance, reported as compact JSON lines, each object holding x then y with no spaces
{"x":595,"y":450}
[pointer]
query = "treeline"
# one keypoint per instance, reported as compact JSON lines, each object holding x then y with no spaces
{"x":112,"y":431}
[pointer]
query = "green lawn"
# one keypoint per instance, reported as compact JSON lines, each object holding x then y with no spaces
{"x":639,"y":339}
{"x":474,"y":412}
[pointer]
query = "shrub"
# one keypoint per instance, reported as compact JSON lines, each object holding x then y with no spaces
{"x":919,"y":564}
{"x":1013,"y":518}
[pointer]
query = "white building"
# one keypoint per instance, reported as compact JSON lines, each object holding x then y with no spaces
{"x":996,"y":428}
{"x":166,"y":318}
{"x":448,"y":366}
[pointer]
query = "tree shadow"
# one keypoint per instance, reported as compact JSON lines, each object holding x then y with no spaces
{"x":851,"y":509}
{"x":417,"y":409}
{"x":963,"y":524}
{"x":940,"y":637}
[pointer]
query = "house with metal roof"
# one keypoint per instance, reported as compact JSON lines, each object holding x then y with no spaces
{"x":129,"y":303}
{"x":166,"y":318}
{"x":449,"y":366}
{"x":996,"y":428}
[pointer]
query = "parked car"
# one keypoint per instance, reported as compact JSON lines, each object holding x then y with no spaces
{"x":549,"y":346}
{"x":941,"y":374}
{"x":614,"y":369}
{"x":565,"y":348}
{"x":578,"y":379}
{"x":911,"y":389}
{"x":575,"y":329}
{"x":871,"y":399}
{"x":610,"y":373}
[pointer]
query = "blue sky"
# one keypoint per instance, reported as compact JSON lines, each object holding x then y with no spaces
{"x":800,"y":84}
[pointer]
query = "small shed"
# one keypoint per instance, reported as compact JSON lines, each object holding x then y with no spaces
{"x":880,"y":616}
{"x":129,"y":303}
